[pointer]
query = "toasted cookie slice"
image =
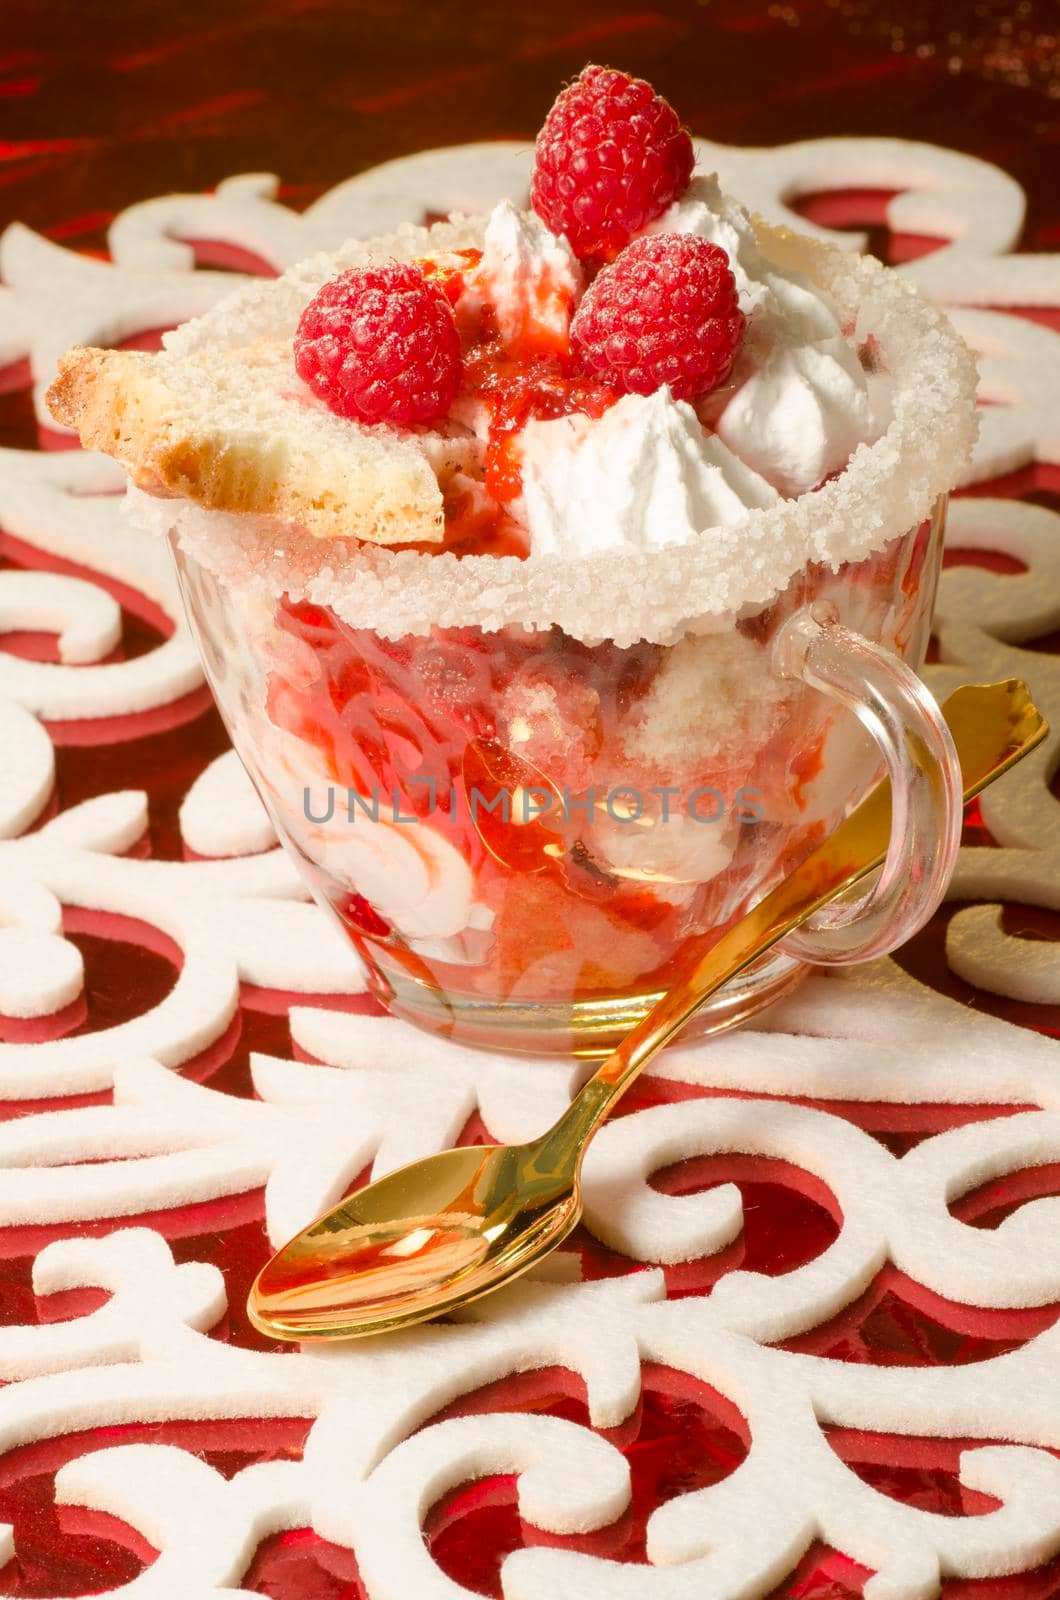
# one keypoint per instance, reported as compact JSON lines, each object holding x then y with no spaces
{"x":237,"y":430}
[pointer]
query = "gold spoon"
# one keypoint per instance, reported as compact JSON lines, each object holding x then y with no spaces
{"x":458,"y":1225}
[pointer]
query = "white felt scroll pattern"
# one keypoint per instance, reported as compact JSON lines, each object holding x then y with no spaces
{"x":370,"y":1092}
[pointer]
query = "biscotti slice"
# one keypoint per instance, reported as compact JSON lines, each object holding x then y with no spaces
{"x":238,"y":431}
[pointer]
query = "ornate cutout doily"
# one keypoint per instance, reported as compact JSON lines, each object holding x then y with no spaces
{"x":810,"y":1324}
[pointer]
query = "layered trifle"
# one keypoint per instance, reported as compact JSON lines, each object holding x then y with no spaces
{"x":489,"y":531}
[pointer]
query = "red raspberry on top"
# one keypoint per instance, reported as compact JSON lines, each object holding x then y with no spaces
{"x":379,"y":344}
{"x":665,"y":312}
{"x":611,"y":157}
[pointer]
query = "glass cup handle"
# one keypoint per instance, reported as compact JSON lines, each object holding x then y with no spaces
{"x":896,"y":709}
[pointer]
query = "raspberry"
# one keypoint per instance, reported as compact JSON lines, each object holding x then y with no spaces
{"x":379,"y":344}
{"x":664,"y":312}
{"x":611,"y":157}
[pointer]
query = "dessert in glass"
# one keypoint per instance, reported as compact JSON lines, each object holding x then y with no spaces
{"x":562,"y":576}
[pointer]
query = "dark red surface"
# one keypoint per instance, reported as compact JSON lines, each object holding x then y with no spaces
{"x":105,"y":105}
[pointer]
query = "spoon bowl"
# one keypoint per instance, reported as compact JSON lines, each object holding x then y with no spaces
{"x":448,"y":1229}
{"x":428,"y":1237}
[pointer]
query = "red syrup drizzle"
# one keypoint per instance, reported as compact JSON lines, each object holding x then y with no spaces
{"x":533,"y":377}
{"x":532,"y":384}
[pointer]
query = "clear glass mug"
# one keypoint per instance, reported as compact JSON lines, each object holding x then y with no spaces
{"x":523,"y":835}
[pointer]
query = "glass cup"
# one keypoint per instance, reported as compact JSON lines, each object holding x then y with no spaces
{"x":524,"y":835}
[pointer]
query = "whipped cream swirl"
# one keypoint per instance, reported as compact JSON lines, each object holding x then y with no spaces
{"x":531,"y":276}
{"x":801,"y":403}
{"x":643,"y":476}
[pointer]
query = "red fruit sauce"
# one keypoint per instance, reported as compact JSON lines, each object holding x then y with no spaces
{"x":534,"y":377}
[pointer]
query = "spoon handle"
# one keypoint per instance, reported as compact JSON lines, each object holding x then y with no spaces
{"x":993,"y":725}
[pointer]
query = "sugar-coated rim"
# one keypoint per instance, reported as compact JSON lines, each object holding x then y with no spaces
{"x":887,"y":488}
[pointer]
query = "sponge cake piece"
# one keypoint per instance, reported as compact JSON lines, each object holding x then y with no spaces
{"x":237,"y":430}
